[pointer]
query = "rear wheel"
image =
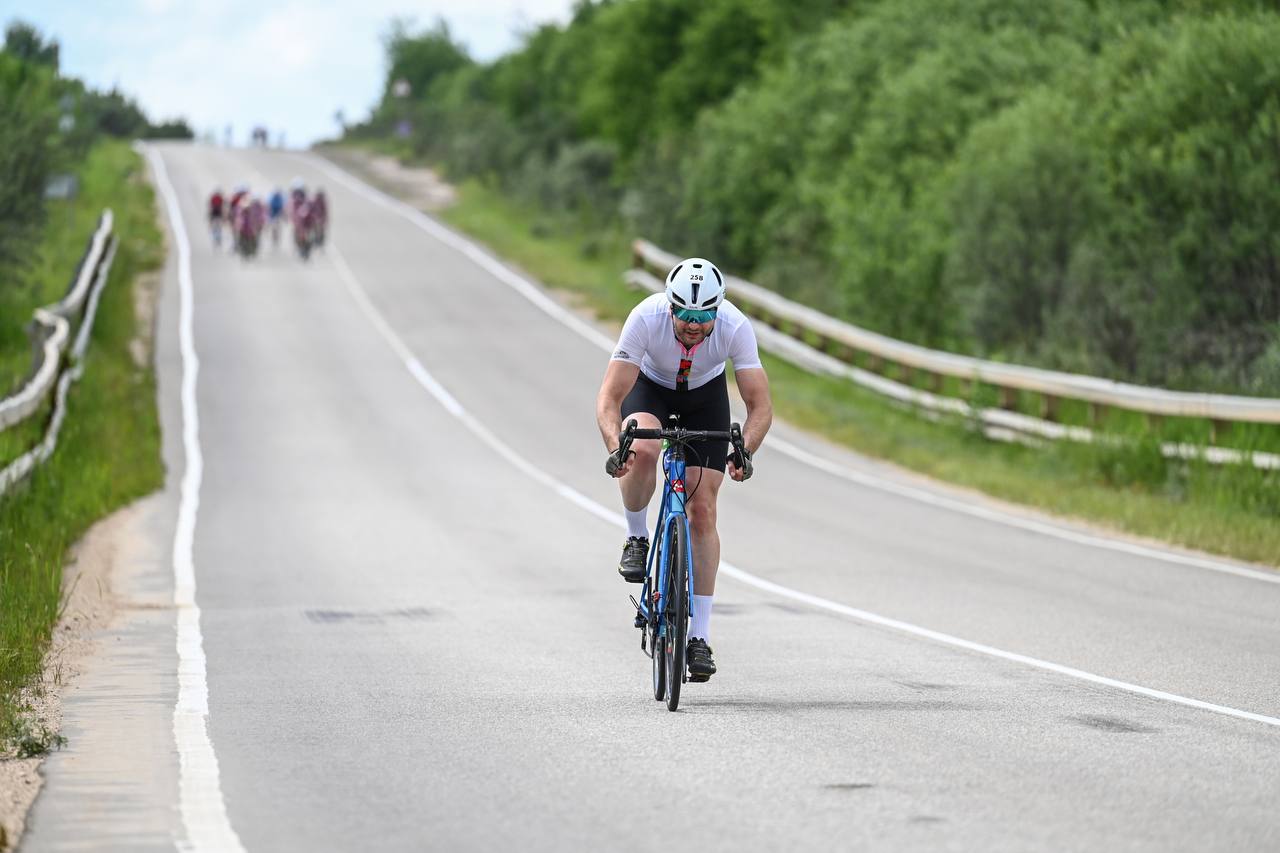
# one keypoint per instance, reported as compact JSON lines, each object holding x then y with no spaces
{"x":677,"y":612}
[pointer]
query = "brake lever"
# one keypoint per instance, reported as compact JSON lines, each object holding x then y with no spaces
{"x":741,"y":456}
{"x":735,"y":441}
{"x":619,"y":457}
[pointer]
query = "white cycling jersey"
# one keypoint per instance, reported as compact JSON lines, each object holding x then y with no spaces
{"x":648,"y":340}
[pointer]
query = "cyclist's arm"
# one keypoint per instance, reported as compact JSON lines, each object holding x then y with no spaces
{"x":618,"y":380}
{"x":753,"y":385}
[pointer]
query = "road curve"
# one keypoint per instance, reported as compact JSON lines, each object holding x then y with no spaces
{"x":415,"y":641}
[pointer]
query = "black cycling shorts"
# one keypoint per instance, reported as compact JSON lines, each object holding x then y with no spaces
{"x":704,"y":407}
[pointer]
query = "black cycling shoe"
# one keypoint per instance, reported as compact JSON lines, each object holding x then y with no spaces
{"x":634,"y":555}
{"x":701,"y":664}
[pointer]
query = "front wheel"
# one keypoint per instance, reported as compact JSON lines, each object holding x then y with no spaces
{"x":677,"y":611}
{"x":658,"y":648}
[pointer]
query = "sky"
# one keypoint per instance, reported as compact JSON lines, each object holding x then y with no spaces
{"x":286,"y":64}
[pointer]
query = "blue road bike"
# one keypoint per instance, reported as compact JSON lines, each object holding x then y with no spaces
{"x":662,"y":613}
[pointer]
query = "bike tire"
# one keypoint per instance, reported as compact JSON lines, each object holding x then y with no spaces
{"x":677,"y":612}
{"x":658,"y":646}
{"x":657,"y":639}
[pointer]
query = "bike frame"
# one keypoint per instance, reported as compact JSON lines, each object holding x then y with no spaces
{"x":652,"y":605}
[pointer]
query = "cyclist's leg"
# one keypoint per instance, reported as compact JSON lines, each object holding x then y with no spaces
{"x":708,"y":408}
{"x":704,"y":484}
{"x":645,"y":403}
{"x":639,"y":484}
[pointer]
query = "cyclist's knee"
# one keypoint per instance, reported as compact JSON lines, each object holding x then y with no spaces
{"x":646,"y":453}
{"x":702,"y":518}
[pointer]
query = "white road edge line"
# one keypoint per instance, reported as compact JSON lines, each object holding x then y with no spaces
{"x":553,"y":309}
{"x":451,"y":405}
{"x":204,"y":811}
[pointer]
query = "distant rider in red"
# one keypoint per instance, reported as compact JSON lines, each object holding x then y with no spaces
{"x":216,"y":215}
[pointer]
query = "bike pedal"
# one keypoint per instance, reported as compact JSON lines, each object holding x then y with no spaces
{"x":699,"y":679}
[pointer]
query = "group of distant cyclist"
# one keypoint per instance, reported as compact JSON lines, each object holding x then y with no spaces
{"x":246,"y":215}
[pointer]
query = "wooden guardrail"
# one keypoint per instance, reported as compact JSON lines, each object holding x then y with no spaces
{"x":838,"y":344}
{"x":51,"y":373}
{"x":52,"y":330}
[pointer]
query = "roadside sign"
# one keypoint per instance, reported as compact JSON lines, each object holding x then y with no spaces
{"x":62,"y":187}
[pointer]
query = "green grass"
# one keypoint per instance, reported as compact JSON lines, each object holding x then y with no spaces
{"x":558,"y":254}
{"x":1226,"y":510}
{"x":25,"y":434}
{"x":109,"y":450}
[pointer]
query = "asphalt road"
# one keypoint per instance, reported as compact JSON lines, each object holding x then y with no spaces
{"x":415,"y":641}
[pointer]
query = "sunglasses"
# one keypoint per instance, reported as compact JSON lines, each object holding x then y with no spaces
{"x":690,"y":315}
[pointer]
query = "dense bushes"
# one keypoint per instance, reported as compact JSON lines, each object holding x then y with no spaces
{"x":1086,"y":184}
{"x":1130,"y":222}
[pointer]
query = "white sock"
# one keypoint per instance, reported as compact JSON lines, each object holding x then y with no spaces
{"x":637,"y":522}
{"x":701,"y":617}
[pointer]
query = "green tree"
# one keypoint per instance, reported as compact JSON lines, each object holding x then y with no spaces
{"x":24,"y":42}
{"x":28,"y":151}
{"x":421,"y":58}
{"x":632,"y":44}
{"x":171,"y":129}
{"x":1190,"y":151}
{"x":1023,"y":206}
{"x":720,"y":49}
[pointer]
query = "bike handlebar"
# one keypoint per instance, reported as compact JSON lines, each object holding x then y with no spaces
{"x":741,"y":456}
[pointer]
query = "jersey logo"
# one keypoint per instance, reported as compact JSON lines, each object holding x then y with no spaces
{"x":621,"y":354}
{"x":682,"y":375}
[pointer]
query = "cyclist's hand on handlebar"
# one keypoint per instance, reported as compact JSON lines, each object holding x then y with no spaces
{"x":743,"y":471}
{"x":616,"y":467}
{"x":619,"y":461}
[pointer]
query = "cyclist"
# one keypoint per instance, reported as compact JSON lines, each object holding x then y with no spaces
{"x":670,"y":359}
{"x":238,"y":199}
{"x":239,"y":196}
{"x":275,"y":209}
{"x":321,"y":204}
{"x":216,"y":202}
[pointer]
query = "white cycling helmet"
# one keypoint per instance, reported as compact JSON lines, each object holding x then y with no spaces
{"x":695,"y":283}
